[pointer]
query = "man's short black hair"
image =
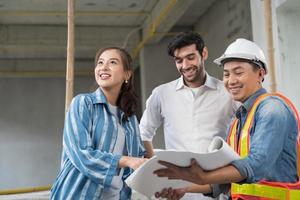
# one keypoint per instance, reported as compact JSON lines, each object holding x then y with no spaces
{"x":184,"y":39}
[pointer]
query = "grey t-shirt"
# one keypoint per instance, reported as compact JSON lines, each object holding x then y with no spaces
{"x":116,"y":186}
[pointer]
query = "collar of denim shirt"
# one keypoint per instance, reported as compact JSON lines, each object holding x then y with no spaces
{"x":247,"y":105}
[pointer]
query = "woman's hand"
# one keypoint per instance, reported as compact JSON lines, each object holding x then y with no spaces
{"x":172,"y":194}
{"x":132,"y":162}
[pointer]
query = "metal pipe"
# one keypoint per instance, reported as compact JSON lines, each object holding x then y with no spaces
{"x":269,"y":34}
{"x":153,"y":28}
{"x":70,"y":55}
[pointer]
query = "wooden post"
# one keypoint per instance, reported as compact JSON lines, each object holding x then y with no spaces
{"x":70,"y":55}
{"x":269,"y":34}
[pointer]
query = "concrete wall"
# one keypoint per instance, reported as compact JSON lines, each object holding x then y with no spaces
{"x":286,"y":44}
{"x":288,"y":15}
{"x":259,"y":34}
{"x":220,"y":25}
{"x":31,"y":121}
{"x":156,"y":68}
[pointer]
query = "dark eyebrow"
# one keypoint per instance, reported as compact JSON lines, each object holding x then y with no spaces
{"x":237,"y":68}
{"x":110,"y":59}
{"x":113,"y":59}
{"x":191,"y":54}
{"x":234,"y":69}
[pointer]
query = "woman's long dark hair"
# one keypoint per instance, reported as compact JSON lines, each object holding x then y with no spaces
{"x":127,"y":100}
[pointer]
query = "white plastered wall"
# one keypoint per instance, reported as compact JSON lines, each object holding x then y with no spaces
{"x":286,"y":26}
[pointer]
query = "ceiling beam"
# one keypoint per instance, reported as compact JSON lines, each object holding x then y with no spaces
{"x":64,"y":13}
{"x":38,"y":41}
{"x":163,"y":16}
{"x":43,"y":74}
{"x":36,"y":51}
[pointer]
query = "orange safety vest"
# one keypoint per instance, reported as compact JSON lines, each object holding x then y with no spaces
{"x":263,"y":190}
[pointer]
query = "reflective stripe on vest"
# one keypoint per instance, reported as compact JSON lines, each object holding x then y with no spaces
{"x":271,"y":190}
{"x":260,"y":190}
{"x":264,"y":191}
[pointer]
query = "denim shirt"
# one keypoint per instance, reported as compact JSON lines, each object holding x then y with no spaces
{"x":88,"y":164}
{"x":273,"y":142}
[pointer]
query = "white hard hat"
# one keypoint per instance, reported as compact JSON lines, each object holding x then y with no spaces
{"x":244,"y":49}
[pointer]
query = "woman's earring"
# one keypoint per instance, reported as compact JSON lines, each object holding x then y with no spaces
{"x":126,"y":81}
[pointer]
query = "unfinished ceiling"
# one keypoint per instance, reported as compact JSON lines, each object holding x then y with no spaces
{"x":91,"y":12}
{"x":35,"y":29}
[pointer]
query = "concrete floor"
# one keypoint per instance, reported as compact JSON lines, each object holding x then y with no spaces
{"x":45,"y":195}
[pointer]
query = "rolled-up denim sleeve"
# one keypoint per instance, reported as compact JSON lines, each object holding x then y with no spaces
{"x":271,"y":126}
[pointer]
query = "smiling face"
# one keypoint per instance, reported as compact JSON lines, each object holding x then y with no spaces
{"x":242,"y":79}
{"x":109,"y":71}
{"x":190,"y":65}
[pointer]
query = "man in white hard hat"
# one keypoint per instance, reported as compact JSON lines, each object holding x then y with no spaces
{"x":264,"y":133}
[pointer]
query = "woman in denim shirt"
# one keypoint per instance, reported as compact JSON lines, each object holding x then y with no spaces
{"x":272,"y":153}
{"x":101,"y":141}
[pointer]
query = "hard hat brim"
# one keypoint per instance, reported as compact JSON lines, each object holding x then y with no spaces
{"x":219,"y":61}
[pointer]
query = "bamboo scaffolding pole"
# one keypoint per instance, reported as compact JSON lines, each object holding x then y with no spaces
{"x":25,"y":190}
{"x":270,"y":45}
{"x":70,"y":55}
